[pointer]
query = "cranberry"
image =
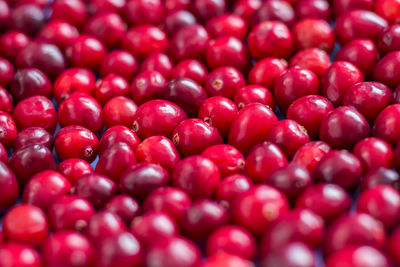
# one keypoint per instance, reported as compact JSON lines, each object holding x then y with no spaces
{"x":270,"y":39}
{"x":5,"y":14}
{"x":257,"y":208}
{"x":11,"y":43}
{"x":70,"y":213}
{"x":226,"y":258}
{"x":339,"y":167}
{"x":374,"y":153}
{"x":358,"y":256}
{"x":246,"y":8}
{"x":288,"y":135}
{"x":208,"y":9}
{"x":153,"y":224}
{"x":193,"y":136}
{"x":119,"y":110}
{"x":176,"y":20}
{"x":232,"y":186}
{"x":96,"y":188}
{"x":298,"y":225}
{"x":44,"y":188}
{"x":191,"y":69}
{"x":60,"y":33}
{"x":73,"y":80}
{"x":35,"y":111}
{"x":122,"y":250}
{"x":310,"y":33}
{"x":60,"y":246}
{"x":14,"y":254}
{"x":172,"y":201}
{"x":231,"y":239}
{"x":385,"y":125}
{"x":158,"y":61}
{"x":6,"y":101}
{"x":158,"y":150}
{"x":44,"y":56}
{"x":8,"y":129}
{"x":188,"y":94}
{"x":293,"y":84}
{"x":342,"y":6}
{"x":359,"y":24}
{"x":274,"y":10}
{"x":293,"y":254}
{"x":389,"y":40}
{"x":381,"y":176}
{"x":73,"y":11}
{"x":254,"y":94}
{"x":308,"y":155}
{"x":360,"y":52}
{"x":115,"y":160}
{"x":27,"y":18}
{"x":3,"y":154}
{"x":392,"y":245}
{"x":124,"y":206}
{"x":174,"y":5}
{"x":81,"y":109}
{"x":31,"y":160}
{"x":224,"y":81}
{"x":227,"y":51}
{"x":86,"y":52}
{"x":104,"y":224}
{"x":143,"y":11}
{"x":227,"y":25}
{"x":389,"y":10}
{"x":148,"y":85}
{"x":117,"y":134}
{"x":266,"y":71}
{"x":189,"y":42}
{"x":387,"y":70}
{"x":144,"y":40}
{"x":6,"y":72}
{"x":354,"y":229}
{"x":197,"y":176}
{"x":25,"y":224}
{"x":111,"y":86}
{"x":157,"y":117}
{"x":142,"y":179}
{"x":219,"y":112}
{"x":343,"y":127}
{"x":381,"y":202}
{"x":369,"y":98}
{"x":246,"y":131}
{"x":313,"y":59}
{"x":108,"y":28}
{"x":318,"y":9}
{"x":9,"y":186}
{"x":337,"y":80}
{"x":72,"y":169}
{"x":119,"y":62}
{"x":173,"y":251}
{"x":29,"y":82}
{"x":76,"y":142}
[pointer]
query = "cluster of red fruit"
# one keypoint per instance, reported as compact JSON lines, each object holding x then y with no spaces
{"x":180,"y":100}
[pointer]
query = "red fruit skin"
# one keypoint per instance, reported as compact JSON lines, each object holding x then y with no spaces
{"x":275,"y":10}
{"x":246,"y":8}
{"x":226,"y":258}
{"x":158,"y":150}
{"x":119,"y":62}
{"x":143,"y":11}
{"x":73,"y":80}
{"x":386,"y":125}
{"x":9,"y":189}
{"x":319,"y":9}
{"x":390,"y":39}
{"x":246,"y":131}
{"x":381,"y":176}
{"x":8,"y":129}
{"x":392,"y":245}
{"x":257,"y":208}
{"x":177,"y":19}
{"x":293,"y":84}
{"x":72,"y":11}
{"x":148,"y":85}
{"x":232,"y":186}
{"x":292,"y":254}
{"x":124,"y":206}
{"x":6,"y":72}
{"x":227,"y":25}
{"x":373,"y":153}
{"x":387,"y":70}
{"x":360,"y":52}
{"x":219,"y":112}
{"x":354,"y":229}
{"x":266,"y":71}
{"x":72,"y":169}
{"x":358,"y":256}
{"x":389,"y":10}
{"x":254,"y":94}
{"x":14,"y":254}
{"x":32,"y":136}
{"x":224,"y":81}
{"x":313,"y":59}
{"x":119,"y":110}
{"x":11,"y":43}
{"x":342,"y":6}
{"x":197,"y":176}
{"x":158,"y":61}
{"x":59,"y":32}
{"x":6,"y":101}
{"x":118,"y":134}
{"x":327,"y":200}
{"x":288,"y":135}
{"x":191,"y":69}
{"x":111,"y":86}
{"x":26,"y":224}
{"x":381,"y":202}
{"x":103,"y":225}
{"x":313,"y":33}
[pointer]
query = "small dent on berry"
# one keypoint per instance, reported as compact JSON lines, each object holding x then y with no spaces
{"x":241,"y":105}
{"x":242,"y":164}
{"x":208,"y":120}
{"x":217,"y":84}
{"x":303,"y":129}
{"x":269,"y":212}
{"x":175,"y":139}
{"x":135,"y":126}
{"x":140,"y":83}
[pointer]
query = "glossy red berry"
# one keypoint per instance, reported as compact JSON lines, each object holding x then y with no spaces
{"x":374,"y":153}
{"x":119,"y":110}
{"x":14,"y":254}
{"x":117,"y":134}
{"x":103,"y":225}
{"x":148,"y":85}
{"x":319,"y":9}
{"x":72,"y":11}
{"x":389,"y":40}
{"x":9,"y":186}
{"x":86,"y":52}
{"x":191,"y":69}
{"x":292,"y":254}
{"x":266,"y":71}
{"x":8,"y":129}
{"x":29,"y":82}
{"x":232,"y":186}
{"x":119,"y":62}
{"x":386,"y":70}
{"x":313,"y":59}
{"x":310,"y":33}
{"x":386,"y":123}
{"x":275,"y":10}
{"x":74,"y":168}
{"x":177,"y":19}
{"x":224,"y":81}
{"x":6,"y":72}
{"x":158,"y":61}
{"x":246,"y":8}
{"x":124,"y":206}
{"x":28,"y":18}
{"x":73,"y":80}
{"x":357,"y":256}
{"x":6,"y":101}
{"x":254,"y":94}
{"x":389,"y":10}
{"x":143,"y":11}
{"x":380,"y":176}
{"x":227,"y":25}
{"x":392,"y":245}
{"x":60,"y":33}
{"x":308,"y":155}
{"x":111,"y":86}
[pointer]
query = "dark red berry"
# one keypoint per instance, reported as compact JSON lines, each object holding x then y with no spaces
{"x":117,"y":134}
{"x":124,"y":206}
{"x":73,"y":168}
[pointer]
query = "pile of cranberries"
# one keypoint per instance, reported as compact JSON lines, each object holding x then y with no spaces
{"x":199,"y":133}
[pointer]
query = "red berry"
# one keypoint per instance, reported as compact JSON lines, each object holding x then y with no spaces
{"x":224,"y":81}
{"x":9,"y":187}
{"x":124,"y":206}
{"x":232,"y":186}
{"x":358,"y":256}
{"x":342,"y":6}
{"x":310,"y":33}
{"x":389,"y":10}
{"x":72,"y":169}
{"x":227,"y":25}
{"x":119,"y":62}
{"x":319,"y":9}
{"x":111,"y":86}
{"x":313,"y":59}
{"x":6,"y":101}
{"x":158,"y":61}
{"x":374,"y":153}
{"x":308,"y":155}
{"x":6,"y":72}
{"x":380,"y":176}
{"x":275,"y":10}
{"x":60,"y":33}
{"x":117,"y":134}
{"x":119,"y":110}
{"x":191,"y":69}
{"x":86,"y":52}
{"x":11,"y":43}
{"x":147,"y":86}
{"x":73,"y":80}
{"x":294,"y":254}
{"x":266,"y":71}
{"x":73,"y":12}
{"x":176,"y":20}
{"x":385,"y":125}
{"x":14,"y":254}
{"x":389,"y":40}
{"x":208,"y":9}
{"x":387,"y":70}
{"x":28,"y":18}
{"x":8,"y":129}
{"x":254,"y":94}
{"x":103,"y":225}
{"x":143,"y":11}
